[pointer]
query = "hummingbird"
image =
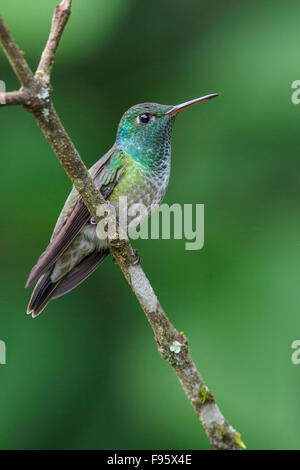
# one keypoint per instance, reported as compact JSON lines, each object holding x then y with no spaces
{"x":138,"y":167}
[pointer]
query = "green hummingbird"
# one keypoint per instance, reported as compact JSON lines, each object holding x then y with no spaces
{"x":138,"y":167}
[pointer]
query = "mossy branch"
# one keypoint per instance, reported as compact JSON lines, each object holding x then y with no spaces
{"x":35,"y":96}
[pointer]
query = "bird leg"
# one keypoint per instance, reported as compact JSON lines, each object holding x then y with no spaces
{"x":137,"y":260}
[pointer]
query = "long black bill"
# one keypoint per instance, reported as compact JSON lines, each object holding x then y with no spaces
{"x":187,"y":104}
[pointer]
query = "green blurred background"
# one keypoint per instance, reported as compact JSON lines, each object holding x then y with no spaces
{"x":86,"y":373}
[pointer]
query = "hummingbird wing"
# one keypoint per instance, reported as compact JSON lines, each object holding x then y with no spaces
{"x":80,"y":272}
{"x":74,"y":198}
{"x":106,"y":173}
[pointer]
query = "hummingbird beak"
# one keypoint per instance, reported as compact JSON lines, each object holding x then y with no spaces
{"x":187,"y":104}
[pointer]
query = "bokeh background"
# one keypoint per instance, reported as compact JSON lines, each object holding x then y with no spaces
{"x":86,"y":373}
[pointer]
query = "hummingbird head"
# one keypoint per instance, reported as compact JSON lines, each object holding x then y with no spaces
{"x":145,"y":130}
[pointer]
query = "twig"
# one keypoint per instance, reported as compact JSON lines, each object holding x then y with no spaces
{"x":171,"y":344}
{"x":60,"y":17}
{"x":15,"y":56}
{"x":12,"y":97}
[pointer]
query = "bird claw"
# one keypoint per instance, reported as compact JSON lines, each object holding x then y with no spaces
{"x":137,"y":260}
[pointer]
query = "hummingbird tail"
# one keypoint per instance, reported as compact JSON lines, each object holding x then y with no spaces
{"x":46,"y":290}
{"x":41,"y":294}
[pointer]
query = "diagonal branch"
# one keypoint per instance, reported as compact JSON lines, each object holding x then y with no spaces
{"x":172,"y":345}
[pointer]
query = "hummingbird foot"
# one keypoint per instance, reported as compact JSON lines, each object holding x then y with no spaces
{"x":137,"y":260}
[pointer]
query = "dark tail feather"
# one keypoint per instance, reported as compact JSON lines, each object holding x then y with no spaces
{"x":41,"y":294}
{"x":45,"y":290}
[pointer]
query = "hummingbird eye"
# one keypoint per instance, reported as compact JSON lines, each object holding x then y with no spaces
{"x":144,"y":118}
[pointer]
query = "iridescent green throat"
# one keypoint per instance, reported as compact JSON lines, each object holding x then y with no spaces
{"x":149,"y":145}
